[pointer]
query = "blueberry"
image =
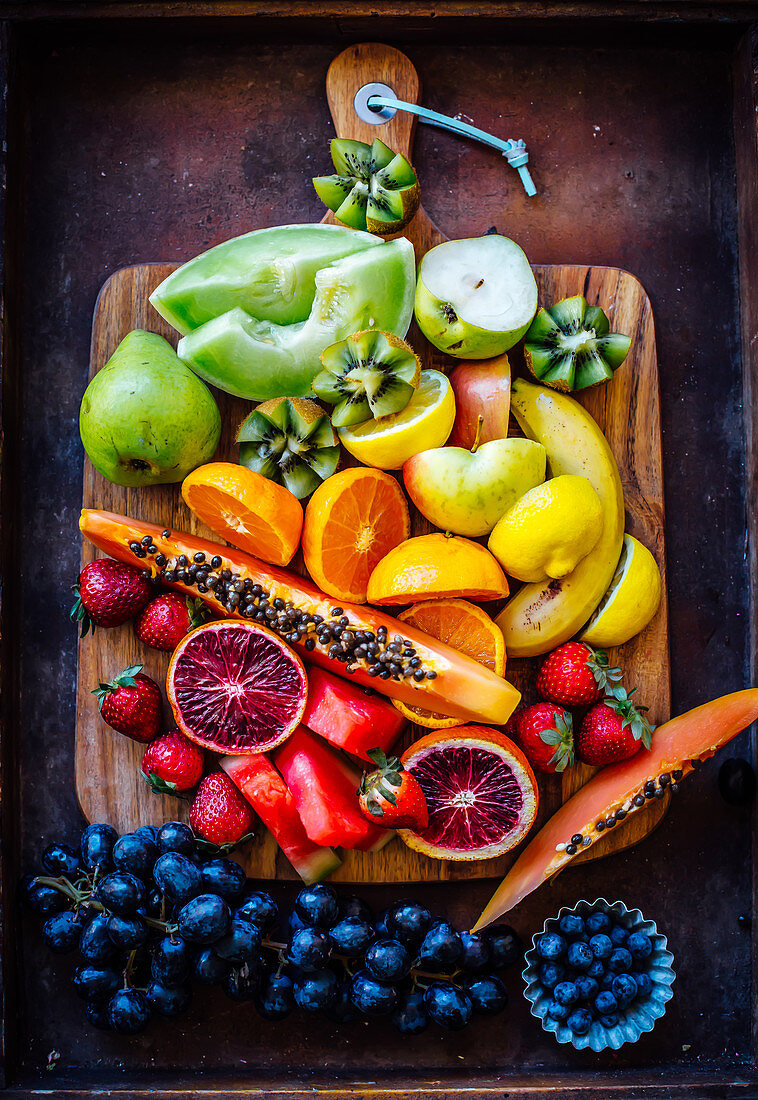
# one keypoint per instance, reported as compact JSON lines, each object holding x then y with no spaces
{"x":175,"y":836}
{"x":606,"y":1003}
{"x":408,"y":921}
{"x":95,"y":945}
{"x":596,"y":969}
{"x":96,"y":983}
{"x":440,"y":947}
{"x":504,"y":944}
{"x":135,"y":853}
{"x":620,"y":961}
{"x":260,"y":908}
{"x":571,"y":926}
{"x":609,"y":1019}
{"x":41,"y":899}
{"x":177,"y":877}
{"x":388,"y":960}
{"x":598,"y":922}
{"x":168,"y":1000}
{"x":557,"y":1011}
{"x":62,"y":931}
{"x":343,"y":1011}
{"x":579,"y":955}
{"x":120,"y":893}
{"x":644,"y":984}
{"x":566,"y":993}
{"x":204,"y":919}
{"x":587,"y":987}
{"x":171,"y":961}
{"x":317,"y":906}
{"x":487,"y":993}
{"x":60,"y":859}
{"x":96,"y":846}
{"x":371,"y":997}
{"x":223,"y":877}
{"x":97,"y":1014}
{"x":551,"y":946}
{"x":624,"y":989}
{"x":601,"y":946}
{"x":310,"y":949}
{"x":639,"y":945}
{"x":209,"y":969}
{"x":580,"y":1021}
{"x":275,"y":1000}
{"x":448,"y":1006}
{"x":242,"y":983}
{"x":476,"y":952}
{"x":351,"y":936}
{"x":128,"y":1012}
{"x":126,"y":933}
{"x":353,"y":906}
{"x":551,"y":973}
{"x":316,"y":991}
{"x":410,"y":1017}
{"x":619,"y":935}
{"x":241,"y":943}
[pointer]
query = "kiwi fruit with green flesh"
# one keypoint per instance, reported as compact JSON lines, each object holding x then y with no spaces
{"x":289,"y":440}
{"x":370,"y":374}
{"x":570,"y":346}
{"x":373,"y":189}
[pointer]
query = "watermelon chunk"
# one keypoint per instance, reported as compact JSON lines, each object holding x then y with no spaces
{"x":267,"y":793}
{"x":350,"y":717}
{"x":324,"y":786}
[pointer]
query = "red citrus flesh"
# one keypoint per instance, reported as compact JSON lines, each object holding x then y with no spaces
{"x":236,"y":688}
{"x":480,"y":791}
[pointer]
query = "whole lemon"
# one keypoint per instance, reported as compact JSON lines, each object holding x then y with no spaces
{"x":549,"y":530}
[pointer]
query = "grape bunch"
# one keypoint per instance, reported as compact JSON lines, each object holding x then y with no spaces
{"x":151,"y":913}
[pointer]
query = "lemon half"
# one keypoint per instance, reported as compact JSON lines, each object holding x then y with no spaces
{"x":631,"y":600}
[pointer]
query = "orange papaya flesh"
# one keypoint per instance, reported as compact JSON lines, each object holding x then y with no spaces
{"x":678,"y":747}
{"x":436,"y":677}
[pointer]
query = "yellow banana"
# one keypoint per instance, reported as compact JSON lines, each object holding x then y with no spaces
{"x":541,"y":616}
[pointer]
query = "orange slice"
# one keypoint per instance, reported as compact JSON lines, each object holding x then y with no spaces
{"x":435,"y":567}
{"x":246,"y":509}
{"x":352,"y":521}
{"x":465,"y":627}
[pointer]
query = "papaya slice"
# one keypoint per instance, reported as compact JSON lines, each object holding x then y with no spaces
{"x":395,"y":659}
{"x":678,"y":747}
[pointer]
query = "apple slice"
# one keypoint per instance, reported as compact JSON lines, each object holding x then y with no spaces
{"x":476,"y":297}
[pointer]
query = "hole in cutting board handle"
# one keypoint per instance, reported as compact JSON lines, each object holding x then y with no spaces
{"x":374,"y":116}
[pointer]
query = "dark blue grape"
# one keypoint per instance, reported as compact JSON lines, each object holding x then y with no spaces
{"x":371,"y":997}
{"x":62,"y":932}
{"x":97,"y":845}
{"x":310,"y":949}
{"x":353,"y":906}
{"x":566,"y":993}
{"x":209,"y":969}
{"x":476,"y":952}
{"x":204,"y":919}
{"x":448,"y":1006}
{"x":487,"y":993}
{"x":177,"y":877}
{"x":42,"y":899}
{"x":150,"y":832}
{"x":96,"y":983}
{"x":624,"y":989}
{"x":351,"y":936}
{"x":260,"y":908}
{"x":619,"y":935}
{"x":60,"y":859}
{"x":407,"y":921}
{"x":440,"y":947}
{"x":606,"y":1003}
{"x":317,"y":905}
{"x":223,"y":877}
{"x":505,"y":945}
{"x":294,"y":923}
{"x":381,"y":925}
{"x":168,"y":1000}
{"x":410,"y":1017}
{"x":276,"y":999}
{"x":154,"y":902}
{"x":620,"y":961}
{"x":551,"y":946}
{"x":126,"y":933}
{"x":588,"y":987}
{"x":171,"y":961}
{"x":316,"y":991}
{"x":571,"y":926}
{"x":95,"y":945}
{"x":601,"y":947}
{"x":579,"y":955}
{"x":343,"y":1011}
{"x":551,"y":973}
{"x":388,"y":960}
{"x":242,"y":983}
{"x":644,"y":984}
{"x":135,"y":853}
{"x":580,"y":1021}
{"x":241,"y":943}
{"x":598,"y":922}
{"x":639,"y":945}
{"x":97,"y":1014}
{"x":128,"y":1012}
{"x":120,"y":893}
{"x":175,"y":836}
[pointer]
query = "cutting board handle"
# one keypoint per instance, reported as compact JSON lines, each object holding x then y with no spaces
{"x":367,"y":63}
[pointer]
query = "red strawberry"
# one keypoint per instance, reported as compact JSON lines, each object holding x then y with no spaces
{"x":545,"y":733}
{"x":108,"y":593}
{"x":613,"y":730}
{"x":167,"y":618}
{"x":172,"y":763}
{"x":220,"y":814}
{"x":391,"y":796}
{"x":575,"y":675}
{"x":131,"y":704}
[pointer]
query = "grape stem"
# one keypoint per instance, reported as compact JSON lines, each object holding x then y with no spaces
{"x":80,"y":898}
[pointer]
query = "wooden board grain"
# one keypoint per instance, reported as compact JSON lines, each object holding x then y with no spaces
{"x":627,"y":409}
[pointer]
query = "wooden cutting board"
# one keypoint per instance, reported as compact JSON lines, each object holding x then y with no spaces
{"x":108,"y":782}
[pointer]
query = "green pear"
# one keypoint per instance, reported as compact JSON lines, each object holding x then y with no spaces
{"x":145,"y":418}
{"x":467,"y":492}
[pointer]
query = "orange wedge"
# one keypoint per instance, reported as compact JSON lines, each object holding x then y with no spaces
{"x":435,"y":567}
{"x":352,"y":521}
{"x":246,"y":509}
{"x":465,"y":627}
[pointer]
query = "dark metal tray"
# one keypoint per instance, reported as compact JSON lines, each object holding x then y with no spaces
{"x":148,"y":131}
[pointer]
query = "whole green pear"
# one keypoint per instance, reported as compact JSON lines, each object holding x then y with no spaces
{"x":145,"y":418}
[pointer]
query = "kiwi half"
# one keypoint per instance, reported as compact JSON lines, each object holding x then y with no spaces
{"x":373,"y":189}
{"x":289,"y":440}
{"x":570,"y":346}
{"x":370,"y":374}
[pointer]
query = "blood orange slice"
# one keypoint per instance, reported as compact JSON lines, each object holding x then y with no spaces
{"x":481,"y":793}
{"x":236,"y":688}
